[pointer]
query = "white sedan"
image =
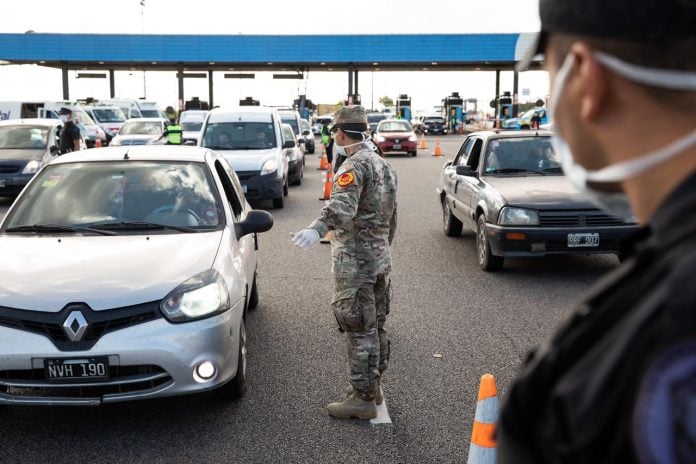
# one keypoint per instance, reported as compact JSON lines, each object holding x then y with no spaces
{"x":127,"y":274}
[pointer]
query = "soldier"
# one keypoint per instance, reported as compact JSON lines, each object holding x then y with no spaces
{"x":362,"y":214}
{"x":617,"y":382}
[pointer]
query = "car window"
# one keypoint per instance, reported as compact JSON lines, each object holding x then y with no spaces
{"x":521,"y":155}
{"x":288,"y":134}
{"x":289,"y":119}
{"x":141,"y":128}
{"x":239,"y":135}
{"x":463,"y":152}
{"x":23,"y":137}
{"x":305,"y":125}
{"x":84,"y":194}
{"x":193,"y":126}
{"x":475,"y":154}
{"x":232,"y":191}
{"x":394,"y":126}
{"x":108,"y":115}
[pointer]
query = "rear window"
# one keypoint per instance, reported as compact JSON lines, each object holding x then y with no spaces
{"x":293,"y":123}
{"x":373,"y":118}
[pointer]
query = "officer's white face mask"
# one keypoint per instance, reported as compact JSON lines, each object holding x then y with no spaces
{"x":617,"y":203}
{"x":340,"y":150}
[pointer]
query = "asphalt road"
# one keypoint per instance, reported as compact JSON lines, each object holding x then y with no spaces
{"x":443,"y":305}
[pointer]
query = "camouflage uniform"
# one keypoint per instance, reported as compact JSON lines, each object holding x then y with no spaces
{"x":362,"y":214}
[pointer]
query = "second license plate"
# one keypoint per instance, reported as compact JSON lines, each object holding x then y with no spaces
{"x":583,"y":240}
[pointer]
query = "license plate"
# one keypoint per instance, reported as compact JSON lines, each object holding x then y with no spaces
{"x":77,"y":369}
{"x":397,"y":146}
{"x":586,"y":240}
{"x":244,"y":187}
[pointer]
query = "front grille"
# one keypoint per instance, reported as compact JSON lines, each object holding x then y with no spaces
{"x":583,"y":218}
{"x":9,"y":168}
{"x":122,"y":379}
{"x":246,"y":175}
{"x":99,"y":323}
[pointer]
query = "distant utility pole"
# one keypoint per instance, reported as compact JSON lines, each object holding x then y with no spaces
{"x":142,"y":23}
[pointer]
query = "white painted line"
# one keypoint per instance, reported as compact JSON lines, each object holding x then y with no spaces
{"x":382,"y":414}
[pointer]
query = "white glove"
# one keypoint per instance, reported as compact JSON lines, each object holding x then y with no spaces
{"x":305,"y":238}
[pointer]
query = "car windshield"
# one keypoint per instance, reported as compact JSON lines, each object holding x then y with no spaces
{"x":305,"y":125}
{"x":520,"y":156}
{"x":293,"y":124}
{"x":193,"y":126}
{"x":150,"y":113}
{"x":141,"y":128}
{"x":115,"y":194}
{"x":108,"y":114}
{"x":394,"y":126}
{"x":374,"y":118}
{"x":239,"y":136}
{"x":82,"y":117}
{"x":435,"y":119}
{"x":23,"y":137}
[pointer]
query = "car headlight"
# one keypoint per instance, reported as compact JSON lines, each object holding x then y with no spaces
{"x":201,"y":296}
{"x":518,"y":217}
{"x":412,"y":138}
{"x":269,"y":167}
{"x":31,"y":167}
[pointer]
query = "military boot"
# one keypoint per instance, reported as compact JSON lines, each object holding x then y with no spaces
{"x":353,"y":406}
{"x":379,"y":399}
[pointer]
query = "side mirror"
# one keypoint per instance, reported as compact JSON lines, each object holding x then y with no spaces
{"x":256,"y":221}
{"x":465,"y":171}
{"x":447,"y":164}
{"x":54,"y":150}
{"x":305,"y":132}
{"x":288,"y":144}
{"x":190,"y":143}
{"x":301,"y":141}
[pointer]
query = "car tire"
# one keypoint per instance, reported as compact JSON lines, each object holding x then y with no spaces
{"x":285,"y":188}
{"x":487,"y":261}
{"x":451,"y":225}
{"x":279,"y":203}
{"x":253,"y":294}
{"x":413,"y":153}
{"x":235,"y":388}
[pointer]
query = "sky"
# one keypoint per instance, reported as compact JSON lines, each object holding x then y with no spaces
{"x":426,"y":89}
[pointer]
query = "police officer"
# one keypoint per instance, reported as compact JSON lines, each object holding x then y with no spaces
{"x":327,"y":141}
{"x":174,"y":133}
{"x":362,"y":214}
{"x":70,"y":136}
{"x":617,"y":382}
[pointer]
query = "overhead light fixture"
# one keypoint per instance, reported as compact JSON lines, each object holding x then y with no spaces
{"x":211,"y":62}
{"x":434,"y":63}
{"x":375,"y":64}
{"x":270,"y":63}
{"x":91,"y":76}
{"x":425,"y":69}
{"x":239,"y":76}
{"x":288,"y":76}
{"x":192,"y":75}
{"x":154,"y":62}
{"x":322,"y":64}
{"x":101,"y":62}
{"x":42,"y":62}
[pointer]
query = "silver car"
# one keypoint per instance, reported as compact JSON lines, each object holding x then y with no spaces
{"x":127,"y":274}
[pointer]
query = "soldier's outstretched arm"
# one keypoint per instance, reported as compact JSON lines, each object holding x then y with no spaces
{"x":343,"y":204}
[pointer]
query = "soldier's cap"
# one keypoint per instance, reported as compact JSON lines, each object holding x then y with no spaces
{"x":351,"y":118}
{"x":643,"y":21}
{"x":65,"y":110}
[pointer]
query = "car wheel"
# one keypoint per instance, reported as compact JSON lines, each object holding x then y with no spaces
{"x":285,"y":188}
{"x":253,"y":295}
{"x":487,"y":261}
{"x":414,"y":153}
{"x":452,"y":225}
{"x":236,"y":387}
{"x":278,"y":203}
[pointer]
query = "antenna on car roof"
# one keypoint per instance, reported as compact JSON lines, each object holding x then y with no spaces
{"x":125,"y":156}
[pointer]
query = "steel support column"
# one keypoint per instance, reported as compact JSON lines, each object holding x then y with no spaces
{"x":112,"y":83}
{"x":66,"y":88}
{"x":350,"y":84}
{"x":180,"y":68}
{"x":515,"y":94}
{"x":210,"y":88}
{"x":497,"y":98}
{"x":355,"y":77}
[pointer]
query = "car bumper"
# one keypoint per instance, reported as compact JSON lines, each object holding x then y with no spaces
{"x":435,"y":130}
{"x":405,"y":147}
{"x":11,"y":185}
{"x":511,"y":241}
{"x":257,"y":187}
{"x":150,"y":360}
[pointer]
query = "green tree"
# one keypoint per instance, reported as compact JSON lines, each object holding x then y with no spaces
{"x":386,"y":101}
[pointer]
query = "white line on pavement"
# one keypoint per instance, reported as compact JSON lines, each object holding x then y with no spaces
{"x":382,"y":414}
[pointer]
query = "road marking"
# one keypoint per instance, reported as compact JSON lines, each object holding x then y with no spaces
{"x":382,"y":414}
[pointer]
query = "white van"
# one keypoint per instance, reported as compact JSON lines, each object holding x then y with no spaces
{"x":109,"y":118}
{"x":250,"y":138}
{"x":19,"y":110}
{"x":191,"y":122}
{"x":135,"y":108}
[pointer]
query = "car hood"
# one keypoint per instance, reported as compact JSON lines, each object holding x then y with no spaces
{"x":540,"y":192}
{"x":248,"y":160}
{"x":128,"y":139}
{"x":192,"y":134}
{"x":395,"y":135}
{"x":22,"y":154}
{"x":46,"y":273}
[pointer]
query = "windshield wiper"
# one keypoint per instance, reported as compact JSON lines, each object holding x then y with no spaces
{"x":139,"y":225}
{"x":514,"y":171}
{"x":57,"y":228}
{"x":558,"y":169}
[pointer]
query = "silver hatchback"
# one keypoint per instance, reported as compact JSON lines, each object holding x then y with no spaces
{"x":127,"y":274}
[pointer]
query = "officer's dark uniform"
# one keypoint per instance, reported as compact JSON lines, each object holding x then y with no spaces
{"x":617,"y":383}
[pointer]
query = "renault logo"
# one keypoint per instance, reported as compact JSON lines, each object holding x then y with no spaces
{"x":75,"y":326}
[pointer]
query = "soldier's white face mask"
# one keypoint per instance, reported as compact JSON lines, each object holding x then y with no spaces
{"x":340,"y":150}
{"x":617,"y":203}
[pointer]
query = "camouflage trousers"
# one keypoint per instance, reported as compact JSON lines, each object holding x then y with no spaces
{"x":361,"y":307}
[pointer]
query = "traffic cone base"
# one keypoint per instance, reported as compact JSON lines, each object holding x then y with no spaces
{"x":438,"y":149}
{"x":422,"y":145}
{"x":483,"y":445}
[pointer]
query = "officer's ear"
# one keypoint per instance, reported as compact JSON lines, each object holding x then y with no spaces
{"x":592,"y":86}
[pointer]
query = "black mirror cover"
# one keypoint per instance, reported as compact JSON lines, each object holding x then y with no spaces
{"x":306,"y":132}
{"x":289,"y":144}
{"x":256,"y":221}
{"x":190,"y":143}
{"x":465,"y":171}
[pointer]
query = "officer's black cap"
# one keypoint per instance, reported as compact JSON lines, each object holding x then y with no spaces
{"x":649,"y":21}
{"x":65,"y":111}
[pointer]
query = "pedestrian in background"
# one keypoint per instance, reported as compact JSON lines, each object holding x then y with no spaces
{"x":362,"y":215}
{"x":70,"y":136}
{"x":327,"y":141}
{"x":617,"y":382}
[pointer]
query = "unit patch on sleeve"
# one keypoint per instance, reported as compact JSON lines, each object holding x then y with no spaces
{"x":345,"y":179}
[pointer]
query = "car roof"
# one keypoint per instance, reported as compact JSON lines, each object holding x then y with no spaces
{"x":31,"y":122}
{"x":137,"y":153}
{"x":242,"y":113}
{"x":147,"y":119}
{"x":512,"y":134}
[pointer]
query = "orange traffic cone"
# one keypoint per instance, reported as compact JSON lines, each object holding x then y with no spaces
{"x":438,"y":149}
{"x":97,"y":143}
{"x":328,"y":183}
{"x":324,"y":165}
{"x":483,"y":444}
{"x":327,"y":238}
{"x":422,"y":145}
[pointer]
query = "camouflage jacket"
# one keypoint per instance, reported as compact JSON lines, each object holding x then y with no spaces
{"x":362,"y":214}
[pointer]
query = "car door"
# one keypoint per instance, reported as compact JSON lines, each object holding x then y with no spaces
{"x":449,"y":180}
{"x":469,"y":187}
{"x":245,"y":247}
